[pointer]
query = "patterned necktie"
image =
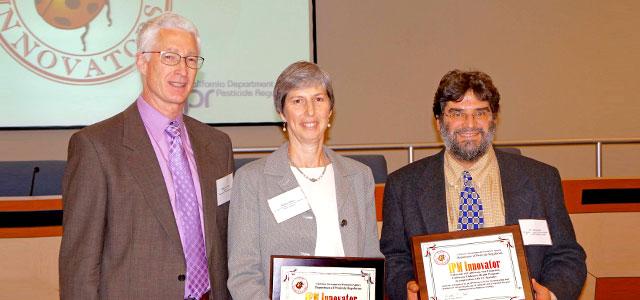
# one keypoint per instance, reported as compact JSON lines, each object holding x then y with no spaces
{"x":188,"y":211}
{"x":470,"y":214}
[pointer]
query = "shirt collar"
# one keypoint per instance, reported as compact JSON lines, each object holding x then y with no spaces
{"x":453,"y":169}
{"x":154,"y":121}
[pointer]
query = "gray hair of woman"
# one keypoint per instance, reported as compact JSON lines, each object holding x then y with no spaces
{"x":298,"y":75}
{"x":149,"y":31}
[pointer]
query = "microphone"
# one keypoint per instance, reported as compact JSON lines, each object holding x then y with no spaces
{"x":33,"y":179}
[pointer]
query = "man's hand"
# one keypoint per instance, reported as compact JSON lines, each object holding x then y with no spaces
{"x":540,"y":291}
{"x":412,"y":290}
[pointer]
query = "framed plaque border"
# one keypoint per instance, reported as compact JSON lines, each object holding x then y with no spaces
{"x":278,"y":261}
{"x":418,"y":260}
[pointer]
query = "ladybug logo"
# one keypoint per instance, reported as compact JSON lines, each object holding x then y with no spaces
{"x":72,"y":14}
{"x":80,"y":42}
{"x":441,"y":257}
{"x":299,"y":285}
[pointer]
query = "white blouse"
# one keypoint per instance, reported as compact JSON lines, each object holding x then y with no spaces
{"x":321,"y":196}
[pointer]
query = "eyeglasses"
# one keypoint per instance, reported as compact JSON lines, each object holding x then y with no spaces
{"x":478,"y":115}
{"x":171,"y":59}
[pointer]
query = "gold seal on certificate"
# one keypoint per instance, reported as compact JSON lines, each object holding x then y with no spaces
{"x":326,"y":278}
{"x":474,"y":264}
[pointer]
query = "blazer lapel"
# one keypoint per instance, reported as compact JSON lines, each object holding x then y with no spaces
{"x":517,"y":201}
{"x":346,"y":203}
{"x":432,"y":201}
{"x":144,"y":167}
{"x":209,"y":170}
{"x":343,"y":180}
{"x":277,"y":164}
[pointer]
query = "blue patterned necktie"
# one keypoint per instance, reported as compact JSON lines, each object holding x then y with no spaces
{"x":188,"y":211}
{"x":470,"y":211}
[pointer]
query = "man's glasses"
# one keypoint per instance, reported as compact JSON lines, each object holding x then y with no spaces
{"x":478,"y":115}
{"x":171,"y":59}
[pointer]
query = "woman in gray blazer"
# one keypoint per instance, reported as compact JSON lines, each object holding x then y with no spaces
{"x":303,"y":199}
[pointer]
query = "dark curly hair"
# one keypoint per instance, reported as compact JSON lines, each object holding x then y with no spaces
{"x":456,"y":83}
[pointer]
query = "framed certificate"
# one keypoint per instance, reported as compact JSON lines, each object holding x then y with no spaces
{"x":326,"y":278}
{"x":486,"y":263}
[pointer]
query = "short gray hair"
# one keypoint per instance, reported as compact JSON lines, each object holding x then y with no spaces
{"x":297,"y":75}
{"x":168,"y":20}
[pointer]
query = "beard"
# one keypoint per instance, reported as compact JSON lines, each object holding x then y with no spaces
{"x":467,"y":150}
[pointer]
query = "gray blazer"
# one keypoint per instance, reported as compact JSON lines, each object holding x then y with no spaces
{"x":254,"y":234}
{"x":120,"y":239}
{"x":415,"y":204}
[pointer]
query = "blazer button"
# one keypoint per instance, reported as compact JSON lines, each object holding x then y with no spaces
{"x":181,"y":277}
{"x":343,"y":223}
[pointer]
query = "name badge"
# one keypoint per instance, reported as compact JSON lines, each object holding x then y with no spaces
{"x":535,"y":232}
{"x":288,"y":204}
{"x":223,"y":189}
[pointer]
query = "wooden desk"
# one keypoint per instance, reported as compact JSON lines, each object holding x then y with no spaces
{"x":31,"y":204}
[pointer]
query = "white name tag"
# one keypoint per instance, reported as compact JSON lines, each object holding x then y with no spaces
{"x":535,"y":232}
{"x":288,"y":204}
{"x":223,"y":189}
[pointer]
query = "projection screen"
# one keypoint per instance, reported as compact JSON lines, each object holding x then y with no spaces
{"x":67,"y":64}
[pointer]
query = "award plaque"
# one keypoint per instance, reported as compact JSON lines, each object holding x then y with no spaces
{"x":326,"y":278}
{"x":486,"y":263}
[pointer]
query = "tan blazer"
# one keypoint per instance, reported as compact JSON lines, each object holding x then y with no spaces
{"x":254,"y":234}
{"x":120,"y":237}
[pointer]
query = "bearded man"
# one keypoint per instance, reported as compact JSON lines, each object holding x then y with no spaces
{"x":427,"y":196}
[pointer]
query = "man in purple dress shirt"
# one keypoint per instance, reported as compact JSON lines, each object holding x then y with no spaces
{"x":142,"y":218}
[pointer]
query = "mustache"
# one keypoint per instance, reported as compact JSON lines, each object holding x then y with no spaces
{"x":468,"y":130}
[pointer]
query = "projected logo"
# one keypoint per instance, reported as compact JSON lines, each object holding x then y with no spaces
{"x":75,"y":41}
